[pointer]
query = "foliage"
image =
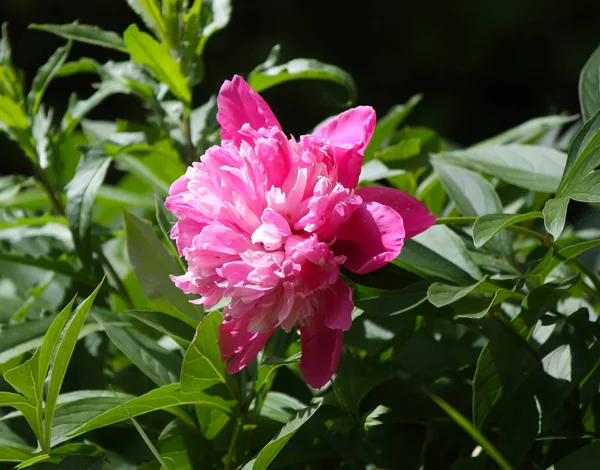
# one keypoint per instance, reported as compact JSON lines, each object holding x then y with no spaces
{"x":477,"y":348}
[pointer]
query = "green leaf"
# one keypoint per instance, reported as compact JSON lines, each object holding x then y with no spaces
{"x":587,"y":189}
{"x":62,"y":357}
{"x":74,"y":67}
{"x":137,"y":167}
{"x":202,"y":365}
{"x":268,"y":367}
{"x":270,"y":451}
{"x":150,"y":14}
{"x":44,"y":76}
{"x":477,"y":436}
{"x":61,"y":267}
{"x":393,"y":302}
{"x":268,"y":74}
{"x":531,"y":167}
{"x":11,"y":114}
{"x":167,"y":465}
{"x":51,"y":340}
{"x":440,"y":294}
{"x":375,"y":170}
{"x":84,"y":33}
{"x":8,"y":454}
{"x":156,"y":363}
{"x":582,"y":459}
{"x":5,"y":47}
{"x":24,"y":378}
{"x":583,"y":156}
{"x":217,"y":14}
{"x":486,"y":226}
{"x":388,"y":124}
{"x":147,"y":51}
{"x":396,"y":155}
{"x":81,"y":194}
{"x":569,"y":252}
{"x":163,"y":398}
{"x":112,"y":196}
{"x":164,"y":323}
{"x":589,"y":86}
{"x":153,"y":264}
{"x":439,"y":253}
{"x":474,"y":196}
{"x":21,"y":404}
{"x":555,"y":215}
{"x":528,"y":132}
{"x":201,"y":119}
{"x":76,"y":409}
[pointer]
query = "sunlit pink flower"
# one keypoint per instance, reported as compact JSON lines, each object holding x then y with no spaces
{"x":267,"y":221}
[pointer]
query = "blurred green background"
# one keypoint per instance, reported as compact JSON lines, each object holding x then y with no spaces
{"x":482,"y":66}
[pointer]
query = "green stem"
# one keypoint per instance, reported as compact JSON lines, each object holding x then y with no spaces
{"x":48,"y":188}
{"x":234,"y":438}
{"x":186,"y":128}
{"x":60,"y":208}
{"x":244,"y":406}
{"x":110,"y":270}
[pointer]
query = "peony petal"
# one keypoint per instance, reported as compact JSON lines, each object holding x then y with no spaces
{"x":273,"y":231}
{"x":370,"y":238}
{"x":348,"y":135}
{"x":235,"y":341}
{"x":415,"y":215}
{"x":339,"y":306}
{"x":238,"y":105}
{"x":321,"y":349}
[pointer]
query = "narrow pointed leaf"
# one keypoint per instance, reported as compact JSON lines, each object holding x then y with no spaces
{"x":84,"y":33}
{"x":64,"y":351}
{"x":270,"y":451}
{"x":486,"y":226}
{"x":589,"y":86}
{"x":583,"y":156}
{"x":44,"y":76}
{"x":147,"y":51}
{"x":81,"y":194}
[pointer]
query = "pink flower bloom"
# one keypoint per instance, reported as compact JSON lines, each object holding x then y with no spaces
{"x":267,"y":221}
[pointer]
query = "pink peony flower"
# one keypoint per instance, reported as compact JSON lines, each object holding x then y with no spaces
{"x":267,"y":221}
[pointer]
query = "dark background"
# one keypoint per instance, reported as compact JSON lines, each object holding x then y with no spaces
{"x":482,"y":66}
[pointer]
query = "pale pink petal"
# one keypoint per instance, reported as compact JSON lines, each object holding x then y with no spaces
{"x":370,"y":238}
{"x":273,"y":230}
{"x":321,"y":349}
{"x":348,"y":134}
{"x":238,"y":105}
{"x":415,"y":215}
{"x":239,"y":345}
{"x":338,"y":299}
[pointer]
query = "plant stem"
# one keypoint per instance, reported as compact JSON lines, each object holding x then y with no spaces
{"x":186,"y":128}
{"x":243,"y":412}
{"x":231,"y":451}
{"x":110,"y":270}
{"x":60,"y":208}
{"x":48,"y":188}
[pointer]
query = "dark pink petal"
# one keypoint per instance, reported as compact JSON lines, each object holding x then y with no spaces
{"x":415,"y":214}
{"x":339,"y":306}
{"x":370,"y":238}
{"x":321,"y":349}
{"x":238,"y":105}
{"x":348,"y":135}
{"x":235,"y":341}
